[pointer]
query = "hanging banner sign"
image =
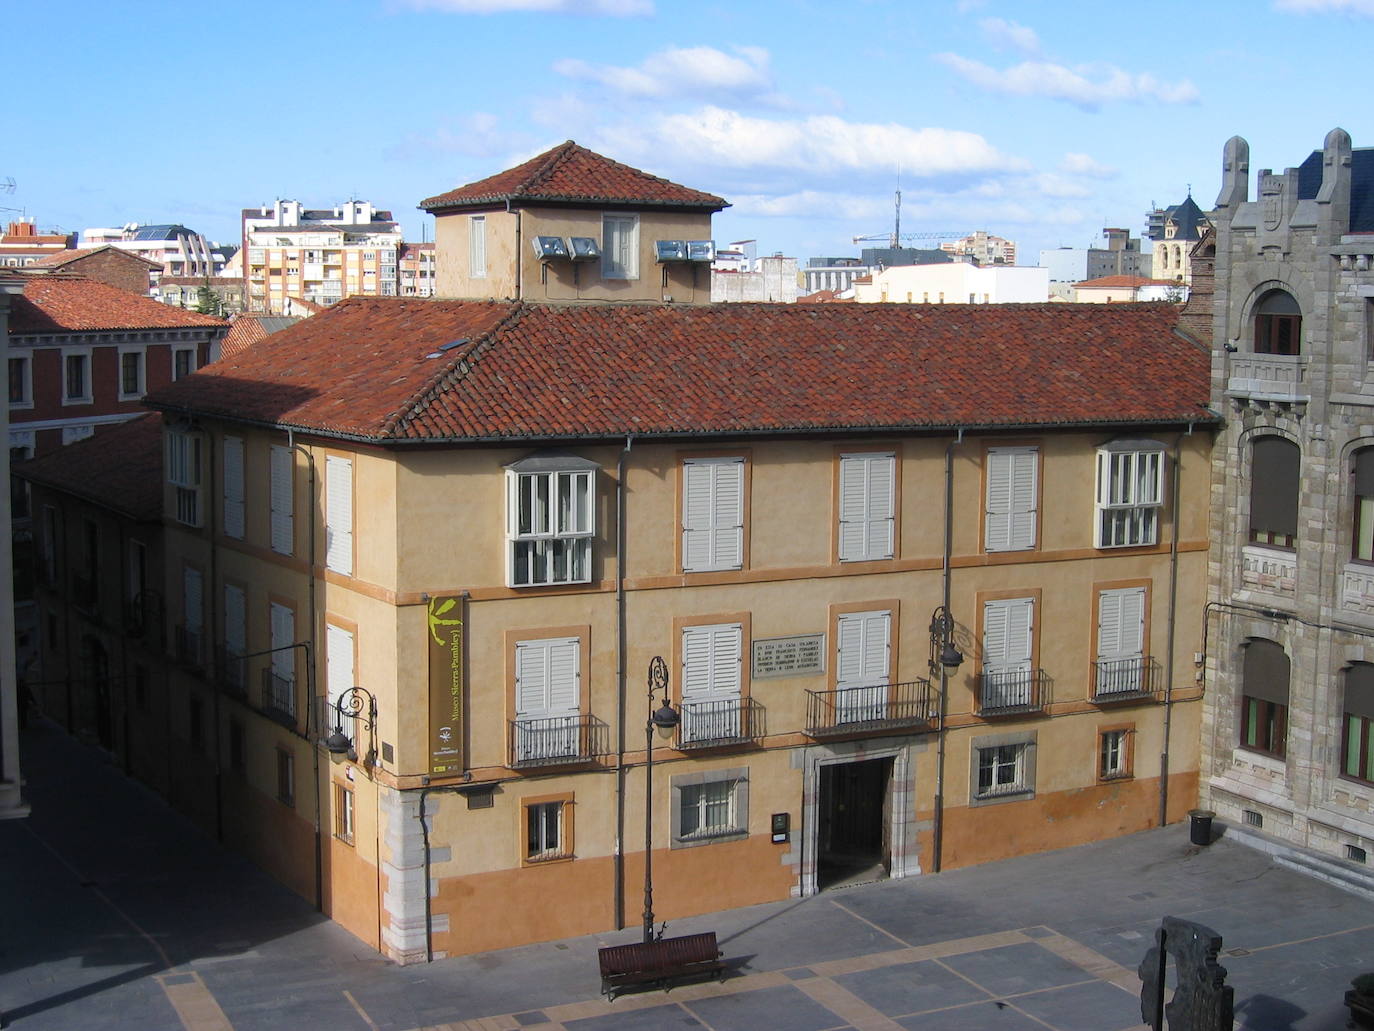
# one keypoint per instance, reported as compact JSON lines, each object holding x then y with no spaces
{"x":447,"y":719}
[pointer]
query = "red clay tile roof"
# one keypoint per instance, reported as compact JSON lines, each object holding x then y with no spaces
{"x":1104,"y":282}
{"x":60,"y":258}
{"x":246,"y":329}
{"x":120,"y":467}
{"x":55,"y":303}
{"x":570,"y":173}
{"x":412,"y":370}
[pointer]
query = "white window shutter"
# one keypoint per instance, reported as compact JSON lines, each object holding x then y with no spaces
{"x":728,"y":515}
{"x":546,"y":677}
{"x":338,"y":661}
{"x":882,"y":505}
{"x":997,"y":523}
{"x":1007,"y":635}
{"x":712,"y":514}
{"x":853,"y":509}
{"x":867,"y":506}
{"x":564,"y":658}
{"x":1011,"y":499}
{"x":696,"y":516}
{"x":233,"y":487}
{"x":338,"y":528}
{"x":1121,"y":623}
{"x":863,"y":649}
{"x":1023,"y":500}
{"x":282,"y":500}
{"x":531,"y":678}
{"x":235,"y":620}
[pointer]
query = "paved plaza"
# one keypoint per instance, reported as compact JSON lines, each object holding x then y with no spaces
{"x":117,"y":914}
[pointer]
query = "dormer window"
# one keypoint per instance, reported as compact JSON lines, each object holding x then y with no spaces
{"x":551,"y":516}
{"x":1278,"y":324}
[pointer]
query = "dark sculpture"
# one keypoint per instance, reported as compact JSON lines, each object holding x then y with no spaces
{"x":1202,"y":1001}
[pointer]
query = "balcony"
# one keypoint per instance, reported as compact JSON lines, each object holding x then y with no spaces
{"x":1357,"y":588}
{"x":1015,"y":692}
{"x":718,"y":723}
{"x":1268,"y":377}
{"x":908,"y":705}
{"x":231,"y":671}
{"x":1126,"y":680}
{"x":554,"y":740}
{"x":1273,"y":570}
{"x":279,"y":697}
{"x":189,"y":643}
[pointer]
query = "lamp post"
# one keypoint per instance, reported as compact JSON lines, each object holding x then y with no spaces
{"x":945,"y":660}
{"x":351,"y":703}
{"x":664,"y":719}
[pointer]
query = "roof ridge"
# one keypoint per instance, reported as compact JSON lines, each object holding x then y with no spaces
{"x":461,"y":364}
{"x":556,"y":157}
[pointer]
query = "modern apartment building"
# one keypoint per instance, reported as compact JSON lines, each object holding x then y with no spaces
{"x":921,"y":585}
{"x":570,"y":224}
{"x":320,"y":255}
{"x":180,"y":251}
{"x":983,"y":248}
{"x":22,"y":244}
{"x":417,"y":261}
{"x":1287,"y":749}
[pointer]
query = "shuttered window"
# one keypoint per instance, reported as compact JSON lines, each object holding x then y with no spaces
{"x":1008,"y":644}
{"x":233,"y":487}
{"x":477,"y":246}
{"x":283,"y":500}
{"x":1011,"y":499}
{"x":620,"y":247}
{"x":1120,"y":641}
{"x":712,"y":664}
{"x":1274,"y":479}
{"x":183,"y":473}
{"x":1362,"y":474}
{"x":338,"y":527}
{"x":863,"y":663}
{"x":1264,"y":697}
{"x":867,"y":506}
{"x":281,"y":693}
{"x":1357,"y":755}
{"x":712,"y":514}
{"x":547,"y":699}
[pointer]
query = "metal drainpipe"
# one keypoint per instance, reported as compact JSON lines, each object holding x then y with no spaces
{"x":310,"y":676}
{"x":938,"y":828}
{"x":1169,"y":647}
{"x":211,"y":623}
{"x":618,"y":902}
{"x":519,"y":254}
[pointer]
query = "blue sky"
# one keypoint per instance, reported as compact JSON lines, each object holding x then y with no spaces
{"x":1040,"y":122}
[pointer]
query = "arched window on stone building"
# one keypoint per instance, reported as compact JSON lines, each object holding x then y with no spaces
{"x":1278,"y":324}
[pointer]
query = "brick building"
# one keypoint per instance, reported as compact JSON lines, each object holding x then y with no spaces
{"x":121,"y":269}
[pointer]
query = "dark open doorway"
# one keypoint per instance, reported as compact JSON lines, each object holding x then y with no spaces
{"x":854,"y":832}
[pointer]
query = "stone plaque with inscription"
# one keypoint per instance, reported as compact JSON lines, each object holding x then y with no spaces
{"x":799,"y":656}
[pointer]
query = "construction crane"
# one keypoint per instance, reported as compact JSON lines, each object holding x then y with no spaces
{"x":896,"y":237}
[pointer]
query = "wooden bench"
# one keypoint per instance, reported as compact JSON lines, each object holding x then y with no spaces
{"x":659,"y":962}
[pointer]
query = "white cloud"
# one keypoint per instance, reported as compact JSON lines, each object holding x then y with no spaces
{"x":1051,"y":184}
{"x":479,"y":134}
{"x":613,"y":8}
{"x":1008,"y":33}
{"x":1087,"y":86}
{"x":1083,"y":164}
{"x":816,"y":146}
{"x":679,"y":70}
{"x":1360,"y":7}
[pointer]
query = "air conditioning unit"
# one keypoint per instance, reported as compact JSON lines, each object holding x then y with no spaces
{"x":584,"y":248}
{"x":548,"y":248}
{"x":671,"y":250}
{"x":701,"y":250}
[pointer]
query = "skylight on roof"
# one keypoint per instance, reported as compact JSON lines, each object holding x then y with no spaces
{"x":445,"y":348}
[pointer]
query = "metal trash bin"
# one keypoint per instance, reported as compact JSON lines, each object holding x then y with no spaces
{"x":1200,"y":826}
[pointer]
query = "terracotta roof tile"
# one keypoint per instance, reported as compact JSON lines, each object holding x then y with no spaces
{"x":54,"y":303}
{"x":246,"y":329}
{"x":1104,"y":282}
{"x":120,"y":467}
{"x":572,"y":173}
{"x":412,"y":370}
{"x":59,"y":258}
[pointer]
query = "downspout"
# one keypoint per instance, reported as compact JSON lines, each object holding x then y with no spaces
{"x":216,"y":683}
{"x":1169,"y":647}
{"x":124,"y":674}
{"x":519,"y":253}
{"x":310,"y":676}
{"x":938,"y":828}
{"x":618,"y":901}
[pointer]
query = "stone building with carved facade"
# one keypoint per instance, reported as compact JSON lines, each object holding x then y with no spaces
{"x":1288,"y":748}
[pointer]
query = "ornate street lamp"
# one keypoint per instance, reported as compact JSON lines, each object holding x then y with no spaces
{"x":945,"y":660}
{"x":350,"y":703}
{"x":665,"y":720}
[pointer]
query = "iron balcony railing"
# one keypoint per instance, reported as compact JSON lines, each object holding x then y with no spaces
{"x":721,"y":721}
{"x":189,"y":643}
{"x":1125,"y":680}
{"x":1013,"y":692}
{"x":874,"y":707}
{"x":327,"y":717}
{"x":231,"y":670}
{"x":279,"y":697}
{"x":552,"y":740}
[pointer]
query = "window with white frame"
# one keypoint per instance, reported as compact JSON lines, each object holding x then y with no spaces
{"x":1008,"y":679}
{"x":1130,"y":492}
{"x":343,"y":813}
{"x":1120,"y":666}
{"x":338,"y":523}
{"x":233,"y":487}
{"x":76,"y":377}
{"x":550,"y":520}
{"x":1114,"y":754}
{"x":863,"y":664}
{"x":183,"y":362}
{"x":712,"y":666}
{"x":867,"y":505}
{"x":712,"y":514}
{"x":131,"y":377}
{"x":282,"y":500}
{"x":620,"y":246}
{"x":1012,"y":488}
{"x":184,"y":474}
{"x":477,"y":246}
{"x":21,"y":382}
{"x":710,"y":806}
{"x":545,"y":836}
{"x":548,"y":697}
{"x":1002,"y":767}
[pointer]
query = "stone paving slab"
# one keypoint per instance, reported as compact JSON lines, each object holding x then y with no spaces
{"x":119,"y":915}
